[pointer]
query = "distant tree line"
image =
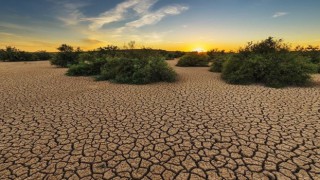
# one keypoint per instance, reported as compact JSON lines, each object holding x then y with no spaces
{"x":13,"y":54}
{"x":71,"y":54}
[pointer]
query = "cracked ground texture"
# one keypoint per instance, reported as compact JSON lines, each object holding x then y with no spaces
{"x":57,"y":127}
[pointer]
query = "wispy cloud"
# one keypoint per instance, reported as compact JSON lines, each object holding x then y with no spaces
{"x":142,"y":11}
{"x":155,"y":17}
{"x":92,"y":41}
{"x":72,"y":14}
{"x":279,"y":14}
{"x":129,"y":15}
{"x":139,"y":11}
{"x":13,"y":27}
{"x":120,"y":12}
{"x":5,"y":35}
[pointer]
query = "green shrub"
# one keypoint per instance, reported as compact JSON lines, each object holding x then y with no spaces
{"x":3,"y":54}
{"x":311,"y":52}
{"x":66,"y":56}
{"x":218,"y":61}
{"x":91,"y":68}
{"x":267,"y":46}
{"x":174,"y":55}
{"x":81,"y":69}
{"x":108,"y":51}
{"x":13,"y":54}
{"x":269,"y":62}
{"x":239,"y":71}
{"x":137,"y":71}
{"x":144,"y":53}
{"x":216,"y":65}
{"x":43,"y":55}
{"x":289,"y":70}
{"x":193,"y":60}
{"x":87,"y":57}
{"x":10,"y":54}
{"x":215,"y":54}
{"x":111,"y":68}
{"x":276,"y":70}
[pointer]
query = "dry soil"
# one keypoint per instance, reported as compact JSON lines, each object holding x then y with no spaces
{"x":57,"y":127}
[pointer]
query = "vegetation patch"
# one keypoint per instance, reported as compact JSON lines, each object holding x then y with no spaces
{"x":193,"y":60}
{"x":86,"y":68}
{"x":12,"y":54}
{"x":137,"y":71}
{"x":268,"y":62}
{"x":311,"y":52}
{"x":217,"y":59}
{"x":66,"y":56}
{"x":174,"y":55}
{"x":130,"y":66}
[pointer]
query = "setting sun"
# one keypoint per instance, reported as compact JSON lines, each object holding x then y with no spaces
{"x":199,"y":49}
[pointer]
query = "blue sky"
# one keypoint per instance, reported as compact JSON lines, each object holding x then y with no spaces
{"x":167,"y":24}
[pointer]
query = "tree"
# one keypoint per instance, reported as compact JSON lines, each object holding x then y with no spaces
{"x":131,"y":44}
{"x":65,"y":48}
{"x":66,"y":56}
{"x":109,"y":50}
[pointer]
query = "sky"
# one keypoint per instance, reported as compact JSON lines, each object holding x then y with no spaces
{"x":185,"y":25}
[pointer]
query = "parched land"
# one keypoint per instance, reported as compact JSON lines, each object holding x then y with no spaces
{"x":57,"y":127}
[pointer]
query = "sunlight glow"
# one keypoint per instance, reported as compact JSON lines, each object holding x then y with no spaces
{"x":199,"y":50}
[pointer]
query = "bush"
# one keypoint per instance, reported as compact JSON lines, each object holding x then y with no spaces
{"x":108,"y":51}
{"x":26,"y":56}
{"x":239,"y":71}
{"x":3,"y":54}
{"x":215,"y":54}
{"x":66,"y":56}
{"x":289,"y":70}
{"x":218,"y":61}
{"x":269,"y":62}
{"x":274,"y":70}
{"x":87,"y":57}
{"x":193,"y":60}
{"x":311,"y":52}
{"x":81,"y":69}
{"x":174,"y":55}
{"x":86,"y":68}
{"x":265,"y":47}
{"x":43,"y":55}
{"x":13,"y":54}
{"x":137,"y":71}
{"x":144,"y":53}
{"x":217,"y":65}
{"x":10,"y":54}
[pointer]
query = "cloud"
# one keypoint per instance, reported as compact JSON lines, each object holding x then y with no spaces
{"x":9,"y":38}
{"x":120,"y":12}
{"x":155,"y":17}
{"x":92,"y":41}
{"x":279,"y":14}
{"x":15,"y":27}
{"x":5,"y":34}
{"x":129,"y":15}
{"x":72,"y":15}
{"x":142,"y":11}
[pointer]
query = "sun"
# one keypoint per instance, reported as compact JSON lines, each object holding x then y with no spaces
{"x":199,"y":50}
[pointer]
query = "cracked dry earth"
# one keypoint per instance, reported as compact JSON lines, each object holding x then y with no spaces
{"x":58,"y":127}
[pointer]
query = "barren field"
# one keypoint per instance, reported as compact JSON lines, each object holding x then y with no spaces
{"x":58,"y":127}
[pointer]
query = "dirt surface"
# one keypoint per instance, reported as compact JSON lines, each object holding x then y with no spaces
{"x":58,"y":127}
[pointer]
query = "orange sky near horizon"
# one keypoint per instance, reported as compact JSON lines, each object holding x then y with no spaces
{"x":183,"y":25}
{"x":206,"y":46}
